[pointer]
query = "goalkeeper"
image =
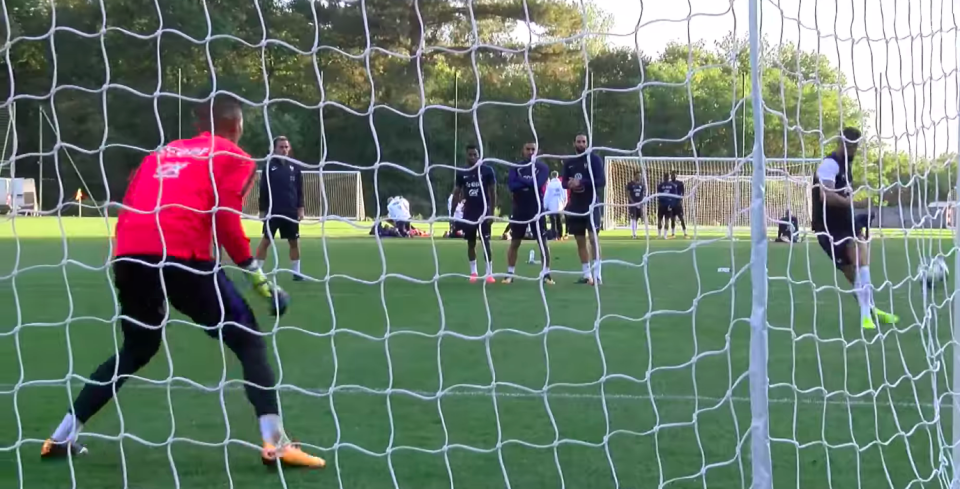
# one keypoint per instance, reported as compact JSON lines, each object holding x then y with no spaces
{"x":163,"y":252}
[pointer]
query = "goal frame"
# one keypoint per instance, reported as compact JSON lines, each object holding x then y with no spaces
{"x":251,"y":202}
{"x":739,"y":169}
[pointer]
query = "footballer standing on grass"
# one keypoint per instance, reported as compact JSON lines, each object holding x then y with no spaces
{"x":666,"y":195}
{"x":281,"y":203}
{"x":583,"y":175}
{"x":527,"y":183}
{"x":165,"y":251}
{"x":681,"y":191}
{"x":833,"y":223}
{"x":635,"y":194}
{"x":477,"y":187}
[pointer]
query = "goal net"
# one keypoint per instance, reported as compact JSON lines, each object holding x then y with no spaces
{"x":704,"y":362}
{"x":326,"y":194}
{"x":716,"y":189}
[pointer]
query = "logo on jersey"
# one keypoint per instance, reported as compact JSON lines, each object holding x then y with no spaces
{"x":169,"y":170}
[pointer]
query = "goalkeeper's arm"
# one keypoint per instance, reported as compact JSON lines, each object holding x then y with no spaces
{"x":231,"y":187}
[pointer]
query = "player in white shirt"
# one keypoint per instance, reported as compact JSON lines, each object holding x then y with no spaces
{"x":554,"y":200}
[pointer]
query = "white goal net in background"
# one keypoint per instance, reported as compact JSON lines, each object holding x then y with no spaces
{"x":701,"y":363}
{"x":326,"y":194}
{"x":716,"y":189}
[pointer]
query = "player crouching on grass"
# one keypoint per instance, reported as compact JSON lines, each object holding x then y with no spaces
{"x":833,"y":223}
{"x":164,"y":253}
{"x":583,"y":175}
{"x":477,"y":186}
{"x":528,"y":183}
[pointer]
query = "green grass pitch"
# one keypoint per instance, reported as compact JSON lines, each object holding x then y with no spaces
{"x":646,"y":377}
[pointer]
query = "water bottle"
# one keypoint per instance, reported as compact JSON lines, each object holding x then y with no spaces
{"x":532,"y":258}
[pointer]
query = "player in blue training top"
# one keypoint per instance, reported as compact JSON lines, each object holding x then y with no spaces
{"x":477,"y":187}
{"x":583,"y":175}
{"x":635,"y":194}
{"x":666,"y":199}
{"x":681,"y":191}
{"x":527,"y":184}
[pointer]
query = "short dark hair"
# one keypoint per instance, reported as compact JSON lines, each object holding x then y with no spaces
{"x":224,"y":106}
{"x":471,"y":147}
{"x":279,"y":138}
{"x":851,"y":134}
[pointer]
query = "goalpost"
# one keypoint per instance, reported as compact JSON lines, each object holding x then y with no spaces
{"x":698,"y":363}
{"x":326,"y":194}
{"x":717,"y":189}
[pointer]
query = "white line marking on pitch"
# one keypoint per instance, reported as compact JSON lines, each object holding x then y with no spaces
{"x":9,"y":389}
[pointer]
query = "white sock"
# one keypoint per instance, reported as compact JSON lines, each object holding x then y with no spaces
{"x":633,"y":227}
{"x":67,"y":431}
{"x":473,"y":267}
{"x":296,"y":265}
{"x":546,"y":271}
{"x":865,"y":291}
{"x":271,"y":429}
{"x":489,"y":268}
{"x":596,"y":268}
{"x":510,"y":270}
{"x":586,"y":270}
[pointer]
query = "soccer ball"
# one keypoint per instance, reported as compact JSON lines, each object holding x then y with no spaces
{"x":932,"y":272}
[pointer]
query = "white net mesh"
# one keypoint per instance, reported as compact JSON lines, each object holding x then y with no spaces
{"x":402,"y":374}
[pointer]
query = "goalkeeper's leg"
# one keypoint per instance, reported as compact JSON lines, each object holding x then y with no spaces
{"x":142,"y":310}
{"x":239,"y":331}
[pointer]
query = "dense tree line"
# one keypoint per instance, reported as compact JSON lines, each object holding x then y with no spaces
{"x":374,"y":90}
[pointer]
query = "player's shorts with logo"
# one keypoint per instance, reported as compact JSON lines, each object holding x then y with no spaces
{"x":287,"y":226}
{"x":678,"y":210}
{"x":580,"y":222}
{"x":537,"y":227}
{"x":836,"y":243}
{"x":636,"y":211}
{"x":471,"y":231}
{"x":664,"y":211}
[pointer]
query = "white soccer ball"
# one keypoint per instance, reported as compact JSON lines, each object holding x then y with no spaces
{"x":933,"y":271}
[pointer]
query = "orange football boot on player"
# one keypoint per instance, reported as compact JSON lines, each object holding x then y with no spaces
{"x":52,"y":449}
{"x":290,"y":454}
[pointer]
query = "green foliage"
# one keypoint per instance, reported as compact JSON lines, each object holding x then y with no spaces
{"x":375,"y":91}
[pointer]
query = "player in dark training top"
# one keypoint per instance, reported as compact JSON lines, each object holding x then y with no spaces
{"x":527,"y":183}
{"x":583,"y":175}
{"x":635,"y":194}
{"x":181,"y":206}
{"x":833,"y":223}
{"x":666,"y":199}
{"x":477,"y":187}
{"x":681,"y":191}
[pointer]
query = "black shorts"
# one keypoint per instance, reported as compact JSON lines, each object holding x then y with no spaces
{"x":837,"y":247}
{"x":209,"y":298}
{"x":678,"y":210}
{"x":636,"y":212}
{"x":578,"y":225}
{"x":518,"y":230}
{"x":471,"y":231}
{"x":664,"y":211}
{"x":288,"y":226}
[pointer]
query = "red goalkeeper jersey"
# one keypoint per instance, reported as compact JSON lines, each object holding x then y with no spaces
{"x":177,"y":196}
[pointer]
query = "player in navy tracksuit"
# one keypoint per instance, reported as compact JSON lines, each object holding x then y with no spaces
{"x":477,"y":188}
{"x":583,"y":175}
{"x":281,"y":204}
{"x":527,"y":184}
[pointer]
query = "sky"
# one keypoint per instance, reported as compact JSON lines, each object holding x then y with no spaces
{"x":911,"y":44}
